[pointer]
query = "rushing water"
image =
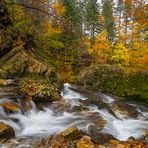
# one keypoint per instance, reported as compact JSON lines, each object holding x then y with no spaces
{"x":50,"y":121}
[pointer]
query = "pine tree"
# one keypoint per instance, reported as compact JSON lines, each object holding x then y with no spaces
{"x":92,"y":19}
{"x":109,"y":24}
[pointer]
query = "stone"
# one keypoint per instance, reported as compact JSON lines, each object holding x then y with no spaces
{"x":102,"y":123}
{"x":85,"y":142}
{"x":3,"y":82}
{"x":17,"y":62}
{"x":114,"y":143}
{"x":123,"y":110}
{"x":55,"y":144}
{"x":40,"y":90}
{"x":6,"y":132}
{"x":69,"y":134}
{"x":10,"y":106}
{"x":101,"y":77}
{"x":97,"y":136}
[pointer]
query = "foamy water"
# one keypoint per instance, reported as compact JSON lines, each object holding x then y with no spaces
{"x":49,"y":122}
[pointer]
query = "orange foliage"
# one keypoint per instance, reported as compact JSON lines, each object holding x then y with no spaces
{"x":101,"y":48}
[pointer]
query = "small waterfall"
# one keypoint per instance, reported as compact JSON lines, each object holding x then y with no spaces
{"x":36,"y":122}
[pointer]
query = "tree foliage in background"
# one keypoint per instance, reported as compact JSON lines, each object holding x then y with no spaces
{"x":109,"y":24}
{"x":74,"y":32}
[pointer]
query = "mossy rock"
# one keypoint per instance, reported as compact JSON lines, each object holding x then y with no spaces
{"x":101,"y":77}
{"x":41,"y":90}
{"x":38,"y":78}
{"x":6,"y":132}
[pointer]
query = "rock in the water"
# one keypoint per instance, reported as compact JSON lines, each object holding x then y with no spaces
{"x":41,"y":90}
{"x":85,"y":142}
{"x":6,"y":132}
{"x":123,"y":110}
{"x":55,"y":144}
{"x":97,"y":136}
{"x":10,"y":106}
{"x":69,"y":134}
{"x":101,"y":123}
{"x":3,"y":82}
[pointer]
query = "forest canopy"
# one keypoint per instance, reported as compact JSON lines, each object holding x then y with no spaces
{"x":82,"y":32}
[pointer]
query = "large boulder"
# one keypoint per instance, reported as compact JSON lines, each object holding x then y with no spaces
{"x":113,"y":79}
{"x":38,"y":78}
{"x":104,"y":78}
{"x":18,"y":59}
{"x":6,"y":132}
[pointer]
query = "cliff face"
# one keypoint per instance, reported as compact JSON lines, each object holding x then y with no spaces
{"x":18,"y":60}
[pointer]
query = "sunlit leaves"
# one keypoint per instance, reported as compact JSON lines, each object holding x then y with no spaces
{"x":59,"y":8}
{"x":101,"y":49}
{"x":120,"y":55}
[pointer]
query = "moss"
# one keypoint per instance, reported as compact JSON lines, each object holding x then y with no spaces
{"x":114,"y":80}
{"x":39,"y":88}
{"x":135,"y":87}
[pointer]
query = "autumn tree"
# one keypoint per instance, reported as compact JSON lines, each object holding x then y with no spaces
{"x":101,"y":49}
{"x":120,"y":55}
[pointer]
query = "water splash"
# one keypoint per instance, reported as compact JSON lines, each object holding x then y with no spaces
{"x":49,"y":122}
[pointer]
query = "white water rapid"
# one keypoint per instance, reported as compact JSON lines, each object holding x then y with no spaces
{"x":49,"y":121}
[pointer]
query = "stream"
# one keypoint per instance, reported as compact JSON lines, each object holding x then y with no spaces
{"x":79,"y":108}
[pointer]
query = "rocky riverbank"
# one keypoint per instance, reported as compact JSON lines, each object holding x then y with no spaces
{"x":65,"y":113}
{"x":115,"y":80}
{"x":70,"y":138}
{"x":36,"y":77}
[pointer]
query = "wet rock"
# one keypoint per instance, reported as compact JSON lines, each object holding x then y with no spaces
{"x":6,"y":132}
{"x":97,"y":136}
{"x":10,"y":106}
{"x":85,"y":142}
{"x":3,"y":82}
{"x":102,"y":123}
{"x":131,"y":138}
{"x":40,"y":90}
{"x":69,"y":134}
{"x":114,"y":143}
{"x":123,"y":110}
{"x":55,"y":144}
{"x":60,"y":106}
{"x":144,"y":138}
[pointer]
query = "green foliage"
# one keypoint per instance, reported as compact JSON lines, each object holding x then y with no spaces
{"x":115,"y":80}
{"x":134,"y":87}
{"x":109,"y":23}
{"x":72,"y":11}
{"x":92,"y":18}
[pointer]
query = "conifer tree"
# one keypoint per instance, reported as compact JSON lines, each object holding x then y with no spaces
{"x":109,"y":24}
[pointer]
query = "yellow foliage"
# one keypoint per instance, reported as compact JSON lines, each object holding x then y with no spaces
{"x":120,"y":55}
{"x":139,"y":55}
{"x":101,"y":48}
{"x":59,"y":8}
{"x":51,"y":31}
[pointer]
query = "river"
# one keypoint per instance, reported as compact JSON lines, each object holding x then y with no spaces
{"x":122,"y":119}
